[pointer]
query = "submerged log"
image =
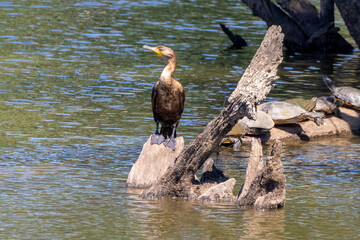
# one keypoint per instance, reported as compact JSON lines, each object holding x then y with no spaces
{"x":252,"y":88}
{"x":264,"y":186}
{"x":305,"y":131}
{"x":350,"y":11}
{"x":236,"y":39}
{"x":302,"y":25}
{"x":273,"y":15}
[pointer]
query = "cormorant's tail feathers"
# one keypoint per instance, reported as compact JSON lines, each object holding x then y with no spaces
{"x":166,"y":130}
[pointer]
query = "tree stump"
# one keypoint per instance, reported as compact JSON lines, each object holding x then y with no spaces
{"x":152,"y":164}
{"x":264,"y":186}
{"x":350,"y":11}
{"x":252,"y":88}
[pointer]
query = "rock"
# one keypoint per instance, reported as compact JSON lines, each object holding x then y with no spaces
{"x":220,"y":192}
{"x":153,"y":162}
{"x":211,"y":174}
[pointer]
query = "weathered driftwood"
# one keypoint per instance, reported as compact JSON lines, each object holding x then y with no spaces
{"x":219,"y":192}
{"x":252,"y":88}
{"x":304,"y":28}
{"x":264,"y":186}
{"x":350,"y":11}
{"x":308,"y":130}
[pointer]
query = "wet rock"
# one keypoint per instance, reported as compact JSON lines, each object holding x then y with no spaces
{"x":153,"y":162}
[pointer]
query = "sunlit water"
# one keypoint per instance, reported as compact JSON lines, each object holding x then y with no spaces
{"x":75,"y":111}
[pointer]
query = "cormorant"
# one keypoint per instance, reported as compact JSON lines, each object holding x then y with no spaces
{"x":167,"y":100}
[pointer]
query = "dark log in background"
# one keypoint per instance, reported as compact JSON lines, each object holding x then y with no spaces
{"x":350,"y":11}
{"x":252,"y":88}
{"x":304,"y":28}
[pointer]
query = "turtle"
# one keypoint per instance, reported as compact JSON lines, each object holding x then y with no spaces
{"x":262,"y":124}
{"x":347,"y":96}
{"x":307,"y":105}
{"x":287,"y":113}
{"x":326,"y":105}
{"x":317,"y":104}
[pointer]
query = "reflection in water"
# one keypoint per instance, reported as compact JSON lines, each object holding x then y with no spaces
{"x":179,"y":220}
{"x":75,"y":111}
{"x":264,"y":224}
{"x":187,"y":219}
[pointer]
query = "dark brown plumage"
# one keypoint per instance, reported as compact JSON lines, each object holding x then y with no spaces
{"x":167,"y":99}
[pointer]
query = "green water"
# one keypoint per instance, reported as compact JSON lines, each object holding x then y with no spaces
{"x":75,"y":111}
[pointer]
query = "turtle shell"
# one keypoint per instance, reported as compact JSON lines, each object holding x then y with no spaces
{"x":263,"y":123}
{"x":307,"y":105}
{"x":348,"y":95}
{"x":283,"y":112}
{"x":325,"y":104}
{"x":287,"y":113}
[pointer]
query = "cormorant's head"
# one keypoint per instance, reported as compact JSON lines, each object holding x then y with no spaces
{"x":165,"y":52}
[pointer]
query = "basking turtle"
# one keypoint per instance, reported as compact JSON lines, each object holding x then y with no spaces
{"x":348,"y":96}
{"x":321,"y":104}
{"x":307,"y":105}
{"x":287,"y":113}
{"x":262,"y":124}
{"x":326,"y":105}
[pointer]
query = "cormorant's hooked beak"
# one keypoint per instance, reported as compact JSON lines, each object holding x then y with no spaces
{"x":154,"y":49}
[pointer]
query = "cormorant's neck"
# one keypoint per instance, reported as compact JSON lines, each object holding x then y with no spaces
{"x":168,"y":70}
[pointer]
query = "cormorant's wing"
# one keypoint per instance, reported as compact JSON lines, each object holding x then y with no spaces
{"x":182,"y":100}
{"x":154,"y":99}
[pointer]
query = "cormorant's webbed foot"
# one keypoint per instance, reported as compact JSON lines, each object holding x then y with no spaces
{"x":170,"y":143}
{"x":157,"y":139}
